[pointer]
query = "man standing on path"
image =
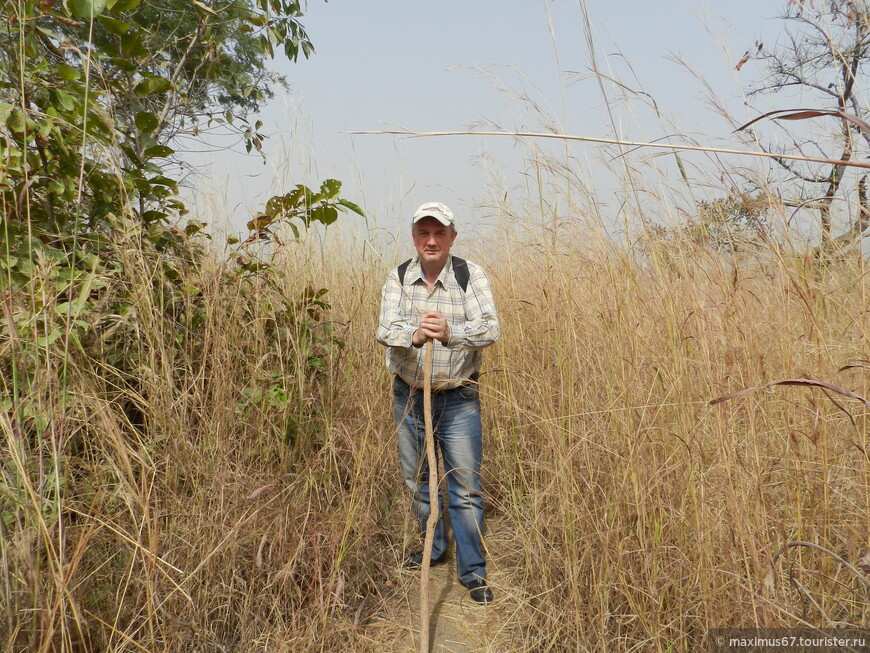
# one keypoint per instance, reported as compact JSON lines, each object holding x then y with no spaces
{"x":439,"y":297}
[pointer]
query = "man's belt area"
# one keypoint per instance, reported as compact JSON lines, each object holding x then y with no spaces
{"x":470,"y":382}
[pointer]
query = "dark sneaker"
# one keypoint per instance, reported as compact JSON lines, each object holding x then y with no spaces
{"x":415,"y":561}
{"x":480,"y":593}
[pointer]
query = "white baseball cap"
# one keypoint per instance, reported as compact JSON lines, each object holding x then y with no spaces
{"x":435,"y":210}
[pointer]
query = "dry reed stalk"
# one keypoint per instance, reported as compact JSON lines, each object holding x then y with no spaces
{"x":615,"y":141}
{"x":433,"y":499}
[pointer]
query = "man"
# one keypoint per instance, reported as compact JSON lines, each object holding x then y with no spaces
{"x":431,"y":297}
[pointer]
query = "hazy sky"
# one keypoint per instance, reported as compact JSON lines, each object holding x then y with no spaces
{"x":510,"y":64}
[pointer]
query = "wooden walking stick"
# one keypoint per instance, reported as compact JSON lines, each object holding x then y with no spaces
{"x":433,"y":498}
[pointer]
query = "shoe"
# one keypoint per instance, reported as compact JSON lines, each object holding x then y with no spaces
{"x":480,"y":593}
{"x":415,"y":561}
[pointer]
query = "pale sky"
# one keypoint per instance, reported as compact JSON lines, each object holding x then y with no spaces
{"x":511,"y":64}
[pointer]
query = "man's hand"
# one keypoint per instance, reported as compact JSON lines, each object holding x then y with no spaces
{"x":433,"y":326}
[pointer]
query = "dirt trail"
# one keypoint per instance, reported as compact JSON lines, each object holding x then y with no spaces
{"x":457,"y":624}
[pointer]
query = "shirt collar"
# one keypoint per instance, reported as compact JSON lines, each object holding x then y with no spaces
{"x":442,"y":276}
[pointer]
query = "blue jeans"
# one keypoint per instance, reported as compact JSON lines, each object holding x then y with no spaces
{"x":456,"y":421}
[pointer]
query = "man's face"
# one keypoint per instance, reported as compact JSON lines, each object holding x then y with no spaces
{"x":433,"y":241}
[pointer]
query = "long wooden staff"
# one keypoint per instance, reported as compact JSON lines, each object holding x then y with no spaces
{"x":433,"y":499}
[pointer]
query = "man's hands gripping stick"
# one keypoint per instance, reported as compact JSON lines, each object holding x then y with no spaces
{"x":433,"y":326}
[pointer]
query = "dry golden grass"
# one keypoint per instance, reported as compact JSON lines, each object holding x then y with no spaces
{"x":632,"y":515}
{"x":644,"y":515}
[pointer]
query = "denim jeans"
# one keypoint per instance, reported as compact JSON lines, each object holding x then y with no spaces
{"x":456,"y":421}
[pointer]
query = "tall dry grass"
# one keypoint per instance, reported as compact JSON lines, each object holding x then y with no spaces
{"x":237,"y":488}
{"x":639,"y":515}
{"x":626,"y":512}
{"x":176,"y":512}
{"x":234,"y":496}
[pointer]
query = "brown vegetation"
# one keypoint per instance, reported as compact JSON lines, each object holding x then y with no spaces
{"x":633,"y":514}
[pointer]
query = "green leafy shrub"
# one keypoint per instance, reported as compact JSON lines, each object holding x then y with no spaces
{"x":122,"y":338}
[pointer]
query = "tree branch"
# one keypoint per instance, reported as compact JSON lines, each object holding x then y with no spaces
{"x":170,"y":96}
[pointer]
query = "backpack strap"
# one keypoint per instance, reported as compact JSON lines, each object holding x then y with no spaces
{"x":401,"y":270}
{"x":460,"y":271}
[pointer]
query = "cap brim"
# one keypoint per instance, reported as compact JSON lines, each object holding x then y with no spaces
{"x":440,"y":219}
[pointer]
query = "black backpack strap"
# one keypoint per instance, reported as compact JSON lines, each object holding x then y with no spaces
{"x":401,"y":270}
{"x":460,"y":271}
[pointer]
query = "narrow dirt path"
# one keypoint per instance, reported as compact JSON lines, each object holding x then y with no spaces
{"x":457,"y":624}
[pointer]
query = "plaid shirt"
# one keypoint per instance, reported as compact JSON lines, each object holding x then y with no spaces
{"x":470,"y":315}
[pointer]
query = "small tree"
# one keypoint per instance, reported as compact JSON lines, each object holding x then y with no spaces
{"x":823,"y":56}
{"x":733,"y":222}
{"x":730,"y":224}
{"x":93,"y":92}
